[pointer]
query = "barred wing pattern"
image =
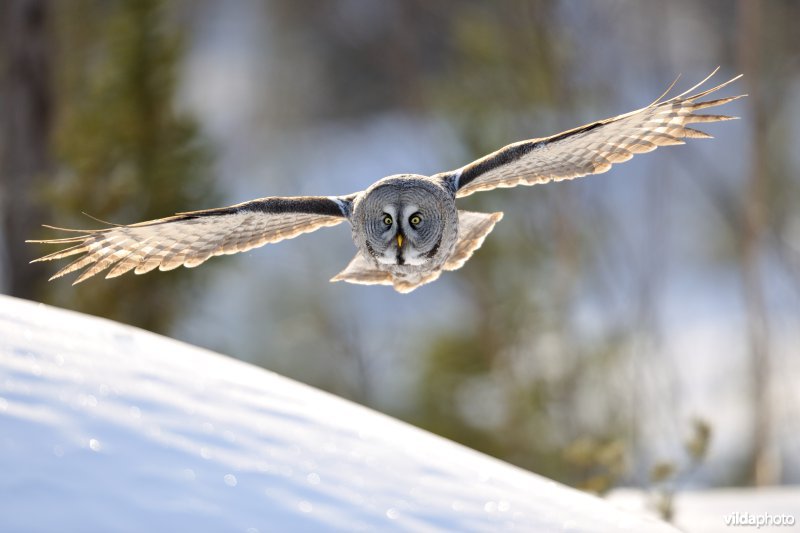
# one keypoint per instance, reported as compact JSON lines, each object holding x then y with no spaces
{"x":593,"y":148}
{"x":191,"y":238}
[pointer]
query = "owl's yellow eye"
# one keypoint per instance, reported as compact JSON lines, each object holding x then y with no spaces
{"x":387,"y":220}
{"x":415,"y":220}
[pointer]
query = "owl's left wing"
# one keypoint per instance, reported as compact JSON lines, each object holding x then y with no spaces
{"x":191,"y":238}
{"x":593,"y":148}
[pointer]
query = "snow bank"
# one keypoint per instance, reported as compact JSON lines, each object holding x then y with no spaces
{"x":105,"y":427}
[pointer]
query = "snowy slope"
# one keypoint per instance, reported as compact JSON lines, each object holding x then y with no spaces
{"x":104,"y":427}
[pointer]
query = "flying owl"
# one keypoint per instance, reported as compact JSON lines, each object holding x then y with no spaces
{"x":406,"y":227}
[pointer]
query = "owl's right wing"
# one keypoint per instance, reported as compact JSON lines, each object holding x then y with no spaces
{"x":190,"y":238}
{"x":590,"y":149}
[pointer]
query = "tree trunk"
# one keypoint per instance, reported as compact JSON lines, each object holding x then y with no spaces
{"x":766,"y":460}
{"x":26,"y":119}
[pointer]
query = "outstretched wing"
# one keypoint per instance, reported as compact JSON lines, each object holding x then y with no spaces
{"x":190,"y":238}
{"x":593,"y":148}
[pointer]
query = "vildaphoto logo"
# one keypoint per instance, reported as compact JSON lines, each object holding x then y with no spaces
{"x":759,"y":520}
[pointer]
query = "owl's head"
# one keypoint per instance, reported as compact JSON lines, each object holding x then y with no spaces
{"x":406,"y":220}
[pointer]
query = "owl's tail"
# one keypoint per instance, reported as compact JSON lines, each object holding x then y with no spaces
{"x":472,"y":231}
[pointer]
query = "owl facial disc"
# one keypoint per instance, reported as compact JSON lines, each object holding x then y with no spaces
{"x":400,"y":237}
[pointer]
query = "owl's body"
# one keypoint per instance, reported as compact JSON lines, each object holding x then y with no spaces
{"x":406,"y":228}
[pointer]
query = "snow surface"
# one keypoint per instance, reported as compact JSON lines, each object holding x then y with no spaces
{"x":104,"y":427}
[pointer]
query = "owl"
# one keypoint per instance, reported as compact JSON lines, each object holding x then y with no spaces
{"x":406,"y":228}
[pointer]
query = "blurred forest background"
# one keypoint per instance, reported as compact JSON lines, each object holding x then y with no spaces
{"x":635,"y":328}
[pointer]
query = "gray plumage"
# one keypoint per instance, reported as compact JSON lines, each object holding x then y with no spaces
{"x":406,"y":227}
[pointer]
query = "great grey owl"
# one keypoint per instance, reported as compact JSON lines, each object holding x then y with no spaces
{"x":406,"y":227}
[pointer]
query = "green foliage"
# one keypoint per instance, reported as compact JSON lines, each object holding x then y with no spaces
{"x":697,"y":445}
{"x":126,"y":153}
{"x":667,"y":477}
{"x":598,"y":463}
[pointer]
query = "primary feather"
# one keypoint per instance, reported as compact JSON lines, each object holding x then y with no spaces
{"x":189,"y":239}
{"x":595,"y":147}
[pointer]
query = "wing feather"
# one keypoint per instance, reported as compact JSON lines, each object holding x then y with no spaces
{"x":595,"y":147}
{"x":189,"y":239}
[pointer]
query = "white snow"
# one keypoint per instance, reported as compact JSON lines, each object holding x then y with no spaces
{"x":104,"y":427}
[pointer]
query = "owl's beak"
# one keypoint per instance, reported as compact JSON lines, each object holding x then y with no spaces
{"x":399,"y":241}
